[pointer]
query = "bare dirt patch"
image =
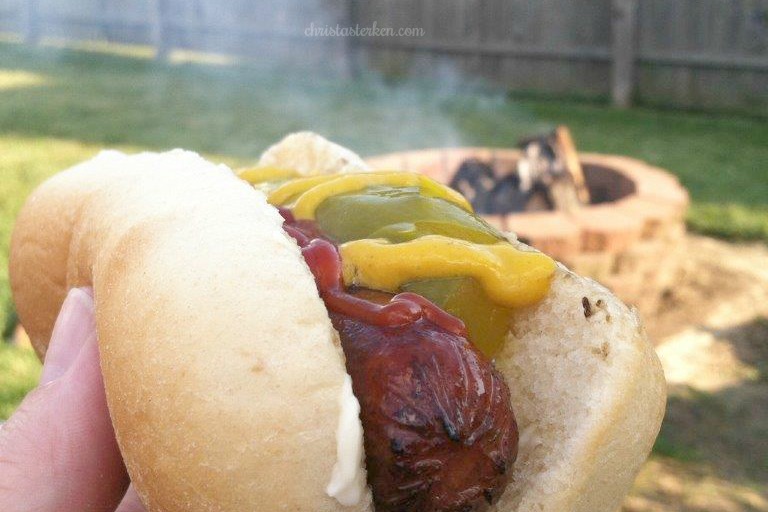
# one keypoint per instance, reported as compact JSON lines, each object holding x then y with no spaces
{"x":712,"y":337}
{"x":719,"y":285}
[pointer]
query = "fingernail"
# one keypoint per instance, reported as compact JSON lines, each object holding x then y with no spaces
{"x":74,"y":325}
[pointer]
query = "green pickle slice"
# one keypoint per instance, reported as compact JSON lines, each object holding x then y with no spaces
{"x":487,"y":323}
{"x":399,"y":214}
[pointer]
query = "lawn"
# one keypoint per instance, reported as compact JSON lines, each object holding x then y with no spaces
{"x":19,"y":372}
{"x":60,"y":106}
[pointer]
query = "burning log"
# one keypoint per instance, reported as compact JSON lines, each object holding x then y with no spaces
{"x":570,"y":157}
{"x":548,"y":176}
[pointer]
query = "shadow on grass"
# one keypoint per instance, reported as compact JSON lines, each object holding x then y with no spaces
{"x":726,"y":430}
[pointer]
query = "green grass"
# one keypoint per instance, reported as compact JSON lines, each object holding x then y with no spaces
{"x":19,"y":372}
{"x":732,"y":221}
{"x":668,"y":448}
{"x":724,"y":430}
{"x":60,"y":106}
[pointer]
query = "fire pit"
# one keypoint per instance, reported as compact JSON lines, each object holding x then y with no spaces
{"x":628,"y":237}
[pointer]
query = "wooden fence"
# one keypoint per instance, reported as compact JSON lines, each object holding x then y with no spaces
{"x":691,"y":53}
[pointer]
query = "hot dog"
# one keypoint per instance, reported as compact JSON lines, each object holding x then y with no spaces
{"x":229,"y":333}
{"x":440,"y":433}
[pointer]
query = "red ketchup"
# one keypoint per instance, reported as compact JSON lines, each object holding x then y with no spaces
{"x":439,"y":431}
{"x":324,"y":261}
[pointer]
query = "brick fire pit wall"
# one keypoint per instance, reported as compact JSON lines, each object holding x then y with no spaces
{"x":628,"y":238}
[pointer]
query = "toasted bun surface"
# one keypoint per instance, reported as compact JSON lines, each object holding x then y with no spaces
{"x":222,"y":369}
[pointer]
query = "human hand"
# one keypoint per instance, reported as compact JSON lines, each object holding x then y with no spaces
{"x":58,"y":451}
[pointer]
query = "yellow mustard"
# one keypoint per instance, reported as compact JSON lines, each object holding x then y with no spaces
{"x":510,"y":277}
{"x":308,"y":193}
{"x":294,"y":188}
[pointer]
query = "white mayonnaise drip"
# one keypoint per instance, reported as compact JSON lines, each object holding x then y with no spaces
{"x":347,"y":484}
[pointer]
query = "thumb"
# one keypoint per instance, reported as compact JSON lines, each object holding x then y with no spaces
{"x":58,"y":450}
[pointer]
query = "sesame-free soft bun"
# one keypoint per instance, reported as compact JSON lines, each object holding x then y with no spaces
{"x":588,"y":392}
{"x":225,"y":379}
{"x":222,"y":371}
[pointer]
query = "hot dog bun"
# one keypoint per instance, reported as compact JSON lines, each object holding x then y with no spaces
{"x":221,"y":367}
{"x":309,"y":153}
{"x":222,"y":370}
{"x":588,"y":392}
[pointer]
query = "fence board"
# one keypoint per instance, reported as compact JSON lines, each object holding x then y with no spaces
{"x":624,"y":30}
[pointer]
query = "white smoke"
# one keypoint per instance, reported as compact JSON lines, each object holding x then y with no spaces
{"x":254,"y":74}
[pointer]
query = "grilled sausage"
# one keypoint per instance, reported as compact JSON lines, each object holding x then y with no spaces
{"x":438,"y":427}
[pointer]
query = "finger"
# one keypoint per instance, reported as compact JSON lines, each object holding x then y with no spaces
{"x":73,"y":327}
{"x":131,"y":502}
{"x":58,"y":451}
